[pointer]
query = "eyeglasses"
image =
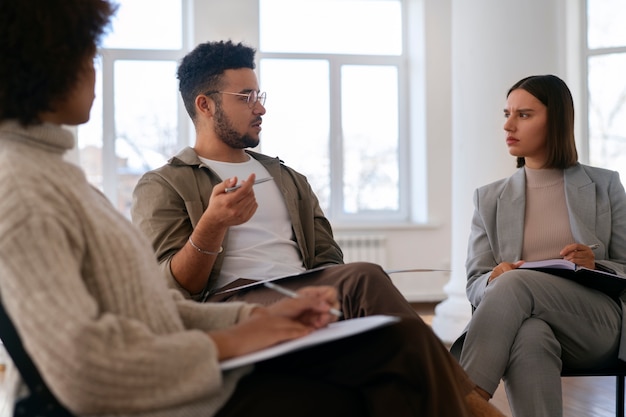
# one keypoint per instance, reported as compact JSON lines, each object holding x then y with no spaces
{"x":251,"y":98}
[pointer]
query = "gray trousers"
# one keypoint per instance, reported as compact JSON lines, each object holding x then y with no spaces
{"x":528,"y":326}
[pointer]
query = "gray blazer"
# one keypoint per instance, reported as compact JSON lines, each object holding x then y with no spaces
{"x":596,"y":203}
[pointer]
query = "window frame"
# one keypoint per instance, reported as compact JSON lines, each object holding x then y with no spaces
{"x":204,"y":21}
{"x":585,"y":55}
{"x":108,"y":57}
{"x":335,"y":211}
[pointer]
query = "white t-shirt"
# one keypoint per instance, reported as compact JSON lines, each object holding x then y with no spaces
{"x":264,"y":246}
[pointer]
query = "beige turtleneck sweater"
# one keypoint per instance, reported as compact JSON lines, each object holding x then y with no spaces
{"x":546,"y":221}
{"x":84,"y":290}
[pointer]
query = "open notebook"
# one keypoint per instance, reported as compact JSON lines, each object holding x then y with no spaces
{"x":333,"y":331}
{"x":607,"y":282}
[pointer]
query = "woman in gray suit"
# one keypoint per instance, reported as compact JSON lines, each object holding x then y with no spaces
{"x":527,"y":324}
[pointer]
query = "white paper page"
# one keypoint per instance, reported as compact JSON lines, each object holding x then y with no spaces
{"x":333,"y":331}
{"x":550,"y":263}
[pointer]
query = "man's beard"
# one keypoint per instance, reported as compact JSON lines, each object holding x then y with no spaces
{"x":225,"y":131}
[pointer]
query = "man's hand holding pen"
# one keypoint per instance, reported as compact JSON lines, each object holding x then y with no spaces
{"x":228,"y":208}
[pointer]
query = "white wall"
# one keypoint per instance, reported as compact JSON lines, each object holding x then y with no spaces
{"x":431,"y":245}
{"x":494,"y":44}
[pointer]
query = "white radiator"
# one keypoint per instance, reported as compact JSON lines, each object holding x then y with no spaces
{"x":369,"y":248}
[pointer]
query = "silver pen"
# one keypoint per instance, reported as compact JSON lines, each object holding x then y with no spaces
{"x":259,"y":181}
{"x":594,"y":246}
{"x":292,"y":294}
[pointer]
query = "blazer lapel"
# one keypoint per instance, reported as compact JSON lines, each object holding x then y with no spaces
{"x":580,"y":194}
{"x":510,"y":216}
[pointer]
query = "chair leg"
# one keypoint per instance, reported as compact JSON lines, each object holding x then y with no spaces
{"x":619,"y":396}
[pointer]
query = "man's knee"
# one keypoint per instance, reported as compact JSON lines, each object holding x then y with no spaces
{"x":366,"y":270}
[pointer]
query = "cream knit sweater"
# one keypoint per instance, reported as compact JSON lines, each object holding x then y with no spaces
{"x":83,"y":289}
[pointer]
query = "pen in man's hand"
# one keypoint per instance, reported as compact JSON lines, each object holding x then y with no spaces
{"x":229,"y":189}
{"x":292,"y":294}
{"x":594,"y":246}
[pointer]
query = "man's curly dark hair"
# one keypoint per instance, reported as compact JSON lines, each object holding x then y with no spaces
{"x":43,"y":45}
{"x":201,"y":70}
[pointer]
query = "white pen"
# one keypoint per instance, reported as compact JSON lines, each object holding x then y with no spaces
{"x":233,"y":188}
{"x":292,"y":294}
{"x":594,"y":246}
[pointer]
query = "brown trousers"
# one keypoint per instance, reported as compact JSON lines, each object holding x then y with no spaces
{"x":401,"y":370}
{"x":364,"y":289}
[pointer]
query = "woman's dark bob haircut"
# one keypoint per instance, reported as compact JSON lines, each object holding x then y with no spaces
{"x":556,"y":96}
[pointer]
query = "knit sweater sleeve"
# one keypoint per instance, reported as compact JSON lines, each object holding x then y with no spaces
{"x":102,"y":345}
{"x":210,"y":316}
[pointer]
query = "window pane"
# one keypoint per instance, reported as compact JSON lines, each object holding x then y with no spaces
{"x":607,"y":112}
{"x":145,"y":121}
{"x":147,"y":24}
{"x":331,"y":26}
{"x":605,"y":19}
{"x":90,"y":138}
{"x":296,"y":125}
{"x":370,"y":178}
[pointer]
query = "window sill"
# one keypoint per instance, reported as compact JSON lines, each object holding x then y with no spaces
{"x":364,"y":226}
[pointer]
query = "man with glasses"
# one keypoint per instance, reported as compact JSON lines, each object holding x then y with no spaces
{"x":220,"y":216}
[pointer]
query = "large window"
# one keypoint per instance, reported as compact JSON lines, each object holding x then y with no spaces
{"x":606,"y":77}
{"x":334,"y":72}
{"x":136,"y":121}
{"x":337,"y":97}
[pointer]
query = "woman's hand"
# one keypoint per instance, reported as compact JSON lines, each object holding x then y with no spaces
{"x":502,"y":268}
{"x":287,"y":319}
{"x":314,"y":312}
{"x":580,"y":255}
{"x":258,"y":332}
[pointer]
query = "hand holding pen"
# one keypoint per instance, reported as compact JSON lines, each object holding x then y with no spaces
{"x":315,"y":306}
{"x":238,"y":186}
{"x":294,"y":294}
{"x":227,"y":209}
{"x":286,"y":319}
{"x":580,"y":254}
